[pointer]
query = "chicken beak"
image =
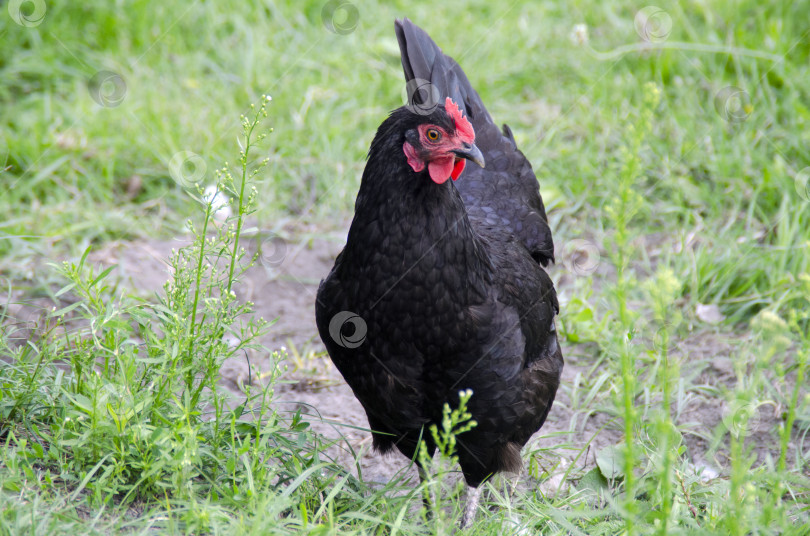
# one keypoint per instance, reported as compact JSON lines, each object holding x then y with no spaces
{"x":471,"y":152}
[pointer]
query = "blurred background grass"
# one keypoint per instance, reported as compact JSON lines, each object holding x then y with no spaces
{"x":98,"y":97}
{"x":81,"y":172}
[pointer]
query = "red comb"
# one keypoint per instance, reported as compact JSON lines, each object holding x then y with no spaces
{"x":463,"y":126}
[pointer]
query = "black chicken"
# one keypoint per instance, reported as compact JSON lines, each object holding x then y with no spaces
{"x":439,"y":287}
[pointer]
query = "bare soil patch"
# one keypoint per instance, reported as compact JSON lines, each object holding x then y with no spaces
{"x":283,"y":285}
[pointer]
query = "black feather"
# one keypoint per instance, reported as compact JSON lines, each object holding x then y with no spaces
{"x":503,"y":197}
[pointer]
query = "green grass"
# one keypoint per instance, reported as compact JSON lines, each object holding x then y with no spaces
{"x":665,"y":193}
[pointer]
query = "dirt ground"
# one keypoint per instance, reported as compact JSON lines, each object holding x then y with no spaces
{"x":283,"y":284}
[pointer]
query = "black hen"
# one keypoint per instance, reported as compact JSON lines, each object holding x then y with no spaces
{"x":439,"y":287}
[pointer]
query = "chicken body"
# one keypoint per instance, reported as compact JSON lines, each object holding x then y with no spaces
{"x":440,"y":286}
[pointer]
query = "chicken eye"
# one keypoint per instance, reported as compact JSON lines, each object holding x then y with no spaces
{"x":433,"y":134}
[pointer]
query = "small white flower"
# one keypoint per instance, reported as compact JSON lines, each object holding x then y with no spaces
{"x":579,"y":35}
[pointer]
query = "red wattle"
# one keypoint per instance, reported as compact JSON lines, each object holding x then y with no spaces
{"x":458,"y":167}
{"x":441,"y":169}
